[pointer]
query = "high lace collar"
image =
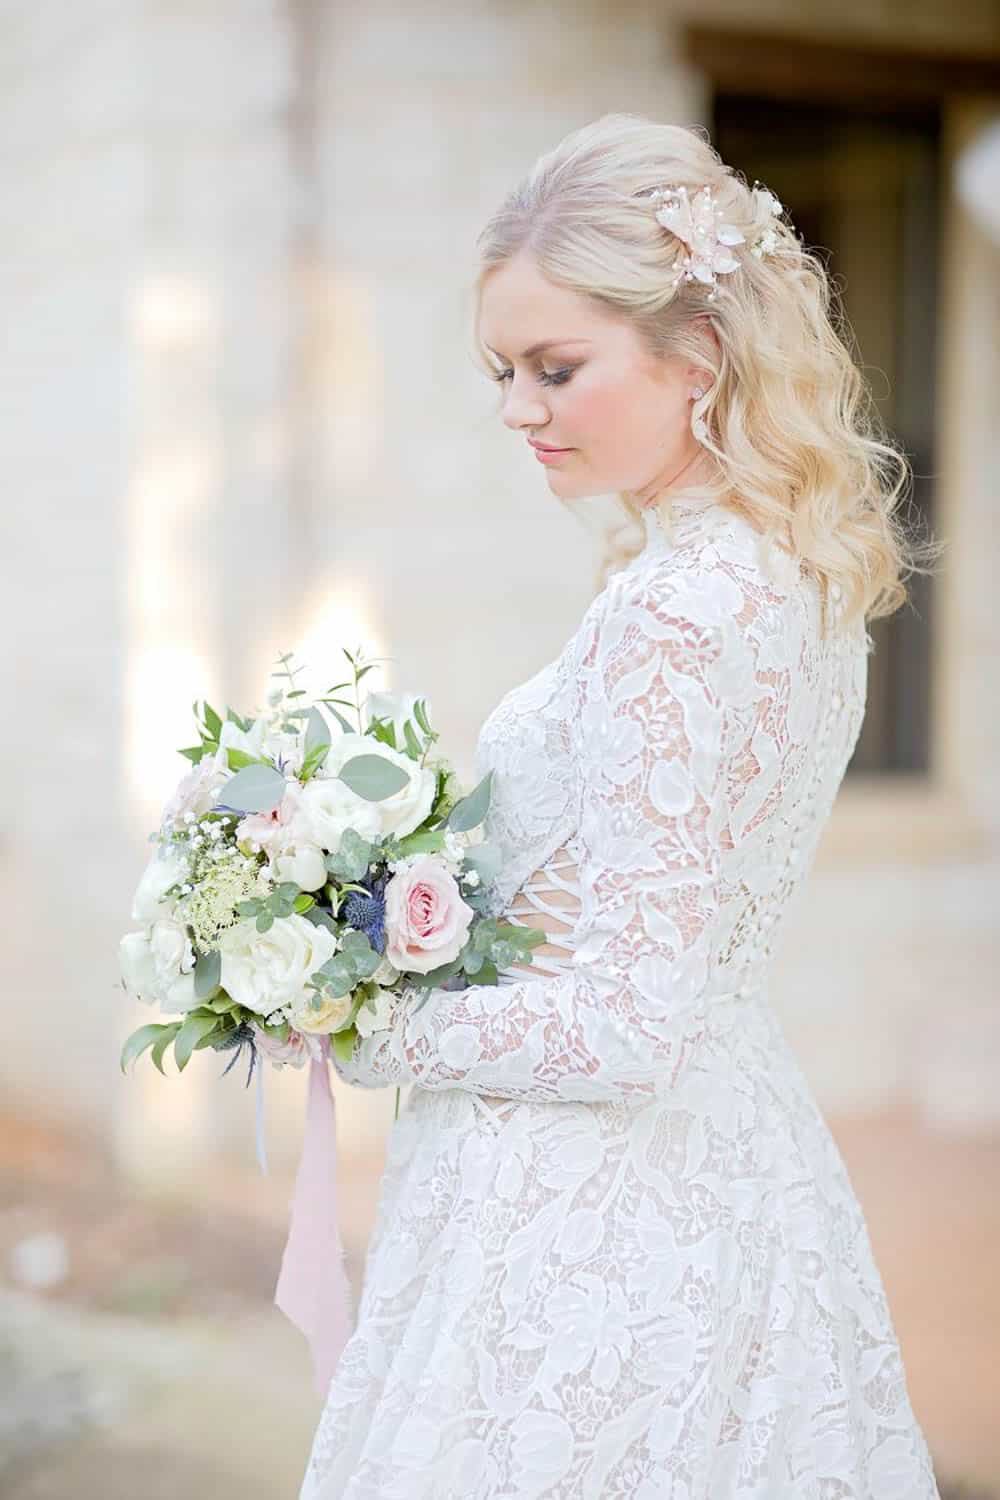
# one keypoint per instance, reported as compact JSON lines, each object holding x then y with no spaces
{"x":687,"y":510}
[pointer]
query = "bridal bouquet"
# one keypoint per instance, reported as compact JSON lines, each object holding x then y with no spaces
{"x":307,"y":869}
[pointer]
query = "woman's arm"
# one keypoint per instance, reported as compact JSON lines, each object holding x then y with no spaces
{"x":650,"y":736}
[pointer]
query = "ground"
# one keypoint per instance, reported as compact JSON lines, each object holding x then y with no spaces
{"x":134,"y":1372}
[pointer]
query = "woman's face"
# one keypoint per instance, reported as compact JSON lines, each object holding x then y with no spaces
{"x":619,"y":416}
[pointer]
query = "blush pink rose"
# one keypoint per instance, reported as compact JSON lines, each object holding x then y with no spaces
{"x":426,"y":920}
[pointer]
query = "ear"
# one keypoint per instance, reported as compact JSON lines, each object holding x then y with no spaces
{"x":700,"y":374}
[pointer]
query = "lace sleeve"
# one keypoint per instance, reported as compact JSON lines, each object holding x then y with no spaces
{"x":656,"y":684}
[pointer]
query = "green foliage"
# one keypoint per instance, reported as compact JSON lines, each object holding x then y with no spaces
{"x":136,"y":1044}
{"x":199,"y":1028}
{"x":423,"y":841}
{"x":355,"y":961}
{"x":485,"y":859}
{"x":196,"y":1027}
{"x":373,"y":777}
{"x":317,"y":743}
{"x":237,"y":760}
{"x":471,"y":810}
{"x":207,"y":974}
{"x":258,"y":788}
{"x":281,"y":902}
{"x":343,"y":1041}
{"x":352,"y":857}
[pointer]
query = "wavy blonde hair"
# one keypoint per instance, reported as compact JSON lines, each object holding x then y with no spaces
{"x":796,"y":439}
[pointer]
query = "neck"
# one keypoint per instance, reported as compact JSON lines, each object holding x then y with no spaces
{"x":652,"y":492}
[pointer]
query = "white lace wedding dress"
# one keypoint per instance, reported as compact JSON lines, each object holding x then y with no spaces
{"x":617,"y":1252}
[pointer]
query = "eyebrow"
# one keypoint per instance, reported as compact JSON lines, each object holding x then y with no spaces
{"x":541,"y":347}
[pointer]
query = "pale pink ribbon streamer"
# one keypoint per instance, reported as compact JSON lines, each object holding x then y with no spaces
{"x":313,"y":1290}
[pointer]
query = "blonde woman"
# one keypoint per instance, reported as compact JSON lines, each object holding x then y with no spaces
{"x":617,"y":1253}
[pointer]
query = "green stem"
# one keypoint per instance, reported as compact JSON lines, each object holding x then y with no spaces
{"x":396,"y":1115}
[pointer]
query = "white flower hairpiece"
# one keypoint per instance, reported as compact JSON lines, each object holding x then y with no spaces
{"x":697,"y":222}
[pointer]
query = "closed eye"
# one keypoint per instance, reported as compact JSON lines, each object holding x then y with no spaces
{"x":556,"y":377}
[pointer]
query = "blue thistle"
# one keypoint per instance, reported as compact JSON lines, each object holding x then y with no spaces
{"x":365,"y":911}
{"x":235,"y":1041}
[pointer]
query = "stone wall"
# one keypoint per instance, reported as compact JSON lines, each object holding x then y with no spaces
{"x":242,"y":415}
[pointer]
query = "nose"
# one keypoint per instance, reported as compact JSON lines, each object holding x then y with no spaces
{"x":523,"y":410}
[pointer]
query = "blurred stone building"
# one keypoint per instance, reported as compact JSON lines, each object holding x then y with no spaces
{"x":241,"y":415}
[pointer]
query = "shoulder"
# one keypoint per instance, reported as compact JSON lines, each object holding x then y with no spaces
{"x":718,"y":605}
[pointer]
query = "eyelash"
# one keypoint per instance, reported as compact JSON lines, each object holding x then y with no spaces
{"x":557,"y":377}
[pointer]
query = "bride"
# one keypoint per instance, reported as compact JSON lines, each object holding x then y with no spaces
{"x":617,"y":1252}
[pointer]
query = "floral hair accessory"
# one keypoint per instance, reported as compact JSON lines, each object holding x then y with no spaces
{"x":696,"y":220}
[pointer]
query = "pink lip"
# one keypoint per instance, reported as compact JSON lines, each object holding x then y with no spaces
{"x":548,"y":455}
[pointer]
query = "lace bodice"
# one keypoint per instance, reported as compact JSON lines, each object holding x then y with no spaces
{"x":616,"y":1254}
{"x":659,"y":792}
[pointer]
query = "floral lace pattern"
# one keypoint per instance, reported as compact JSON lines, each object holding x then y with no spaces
{"x":616,"y":1251}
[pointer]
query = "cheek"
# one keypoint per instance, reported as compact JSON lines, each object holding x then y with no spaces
{"x":623,"y":421}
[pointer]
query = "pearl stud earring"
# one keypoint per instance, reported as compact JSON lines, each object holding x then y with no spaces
{"x":697,"y":393}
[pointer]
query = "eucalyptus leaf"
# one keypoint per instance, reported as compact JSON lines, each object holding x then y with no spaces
{"x":420,"y":714}
{"x":317,"y":730}
{"x":373,"y":777}
{"x":413,"y":745}
{"x":320,"y":918}
{"x":255,"y":789}
{"x":136,"y":1044}
{"x":345,"y":724}
{"x":193,"y":1029}
{"x":352,"y":856}
{"x":471,"y":810}
{"x":207,"y":974}
{"x":485,"y":858}
{"x":160,"y":1047}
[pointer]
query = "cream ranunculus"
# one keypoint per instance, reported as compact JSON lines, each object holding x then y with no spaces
{"x":427,"y":922}
{"x":330,"y":808}
{"x":406,"y":809}
{"x":264,"y":971}
{"x":326,"y":1016}
{"x":168,"y":867}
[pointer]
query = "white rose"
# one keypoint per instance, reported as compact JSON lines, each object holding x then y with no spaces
{"x":159,"y":965}
{"x":324,"y":1016}
{"x":406,"y":809}
{"x":167,"y":867}
{"x":135,"y":959}
{"x":171,"y":948}
{"x":330,"y":808}
{"x":306,"y":867}
{"x":267,"y":970}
